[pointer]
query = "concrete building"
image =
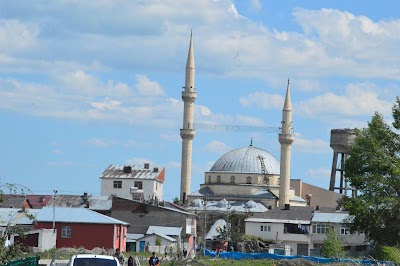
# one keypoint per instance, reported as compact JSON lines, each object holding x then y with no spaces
{"x":133,"y":182}
{"x":304,"y":229}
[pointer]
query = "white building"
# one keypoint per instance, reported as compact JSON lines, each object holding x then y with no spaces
{"x":133,"y":182}
{"x":304,"y":229}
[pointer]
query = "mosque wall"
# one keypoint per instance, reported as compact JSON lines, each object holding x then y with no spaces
{"x":239,"y":178}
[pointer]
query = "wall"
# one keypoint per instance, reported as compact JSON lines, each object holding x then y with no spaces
{"x":151,"y":244}
{"x":149,"y":187}
{"x":86,"y":235}
{"x":321,"y":197}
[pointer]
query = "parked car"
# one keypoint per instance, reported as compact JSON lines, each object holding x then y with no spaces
{"x":93,"y":260}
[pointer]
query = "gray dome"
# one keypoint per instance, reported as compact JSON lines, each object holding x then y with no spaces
{"x":197,"y":203}
{"x":244,"y":160}
{"x":251,"y":204}
{"x":224,"y":204}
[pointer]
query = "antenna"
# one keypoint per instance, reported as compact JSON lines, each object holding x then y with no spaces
{"x":264,"y":171}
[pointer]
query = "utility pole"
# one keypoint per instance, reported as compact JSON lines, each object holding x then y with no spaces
{"x":54,"y":211}
{"x":204,"y":224}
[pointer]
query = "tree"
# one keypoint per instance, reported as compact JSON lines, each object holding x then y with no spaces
{"x":373,"y":168}
{"x":176,"y":200}
{"x":158,"y":243}
{"x":332,"y":247}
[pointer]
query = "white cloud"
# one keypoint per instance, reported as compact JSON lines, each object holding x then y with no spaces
{"x":106,"y":105}
{"x":147,"y":87}
{"x":316,"y":146}
{"x":217,"y":147}
{"x":263,"y":100}
{"x":171,"y":137}
{"x":318,"y":174}
{"x":101,"y":143}
{"x":358,"y":100}
{"x":256,"y":4}
{"x":57,"y":151}
{"x":176,"y":165}
{"x":16,"y":36}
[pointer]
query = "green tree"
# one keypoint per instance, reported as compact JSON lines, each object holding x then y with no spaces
{"x":158,"y":243}
{"x":373,"y":168}
{"x":176,"y":201}
{"x":332,"y":247}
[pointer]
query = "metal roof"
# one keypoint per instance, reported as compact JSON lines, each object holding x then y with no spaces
{"x":334,"y":217}
{"x":134,"y":237}
{"x":15,"y":216}
{"x":136,"y":172}
{"x":83,"y":201}
{"x":13,"y":201}
{"x":215,"y":228}
{"x":263,"y":220}
{"x":75,"y":215}
{"x":245,"y":160}
{"x":169,"y":231}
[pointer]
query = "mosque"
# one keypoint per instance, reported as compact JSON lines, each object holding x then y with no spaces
{"x":249,"y":177}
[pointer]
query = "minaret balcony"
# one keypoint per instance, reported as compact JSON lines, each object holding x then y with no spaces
{"x":286,"y":138}
{"x":187,"y":133}
{"x":189,"y":96}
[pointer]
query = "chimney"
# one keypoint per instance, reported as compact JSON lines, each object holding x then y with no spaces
{"x":317,"y":208}
{"x":155,"y":169}
{"x":127,"y":169}
{"x":85,"y":197}
{"x":146,"y":165}
{"x":287,"y":207}
{"x":41,"y":199}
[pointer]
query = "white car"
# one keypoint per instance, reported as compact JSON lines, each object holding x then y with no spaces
{"x":93,"y":260}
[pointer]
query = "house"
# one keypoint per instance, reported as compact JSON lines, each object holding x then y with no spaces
{"x":100,"y":204}
{"x":133,"y":182}
{"x":38,"y":201}
{"x":24,"y":219}
{"x":168,"y":237}
{"x":14,"y":201}
{"x":355,"y":244}
{"x":303,"y":228}
{"x":143,"y":217}
{"x":77,"y":227}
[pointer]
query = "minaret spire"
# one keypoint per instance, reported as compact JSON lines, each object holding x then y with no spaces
{"x":286,"y":139}
{"x":189,"y":96}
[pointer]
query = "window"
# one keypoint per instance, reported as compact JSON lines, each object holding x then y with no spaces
{"x":265,"y":228}
{"x":344,"y":230}
{"x":117,"y":184}
{"x":248,"y":180}
{"x":218,"y":179}
{"x":232,"y":179}
{"x":66,"y":232}
{"x":320,"y":229}
{"x":139,"y":184}
{"x":209,"y":179}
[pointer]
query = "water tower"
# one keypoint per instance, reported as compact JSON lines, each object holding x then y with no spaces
{"x":341,"y":140}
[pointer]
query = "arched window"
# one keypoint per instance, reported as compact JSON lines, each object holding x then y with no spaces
{"x":218,"y":179}
{"x":232,"y":179}
{"x":248,"y":180}
{"x":209,"y":179}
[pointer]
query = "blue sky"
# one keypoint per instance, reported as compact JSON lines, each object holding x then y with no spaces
{"x":85,"y":84}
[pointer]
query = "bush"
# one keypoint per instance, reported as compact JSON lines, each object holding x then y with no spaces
{"x":387,"y":253}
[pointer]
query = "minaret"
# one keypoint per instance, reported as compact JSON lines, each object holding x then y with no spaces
{"x":286,"y":139}
{"x":187,"y":132}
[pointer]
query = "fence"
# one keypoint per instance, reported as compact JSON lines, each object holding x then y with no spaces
{"x":241,"y":255}
{"x":32,"y":261}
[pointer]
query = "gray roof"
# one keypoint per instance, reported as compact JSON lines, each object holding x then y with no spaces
{"x":240,"y":206}
{"x":83,"y":201}
{"x":75,"y":215}
{"x":334,"y":217}
{"x":136,"y":172}
{"x":171,"y":239}
{"x":245,"y":160}
{"x":164,"y":230}
{"x":207,"y":191}
{"x":15,"y":216}
{"x":294,"y":213}
{"x":12,"y":200}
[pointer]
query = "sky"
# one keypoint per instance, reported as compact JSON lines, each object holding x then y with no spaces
{"x":86,"y":84}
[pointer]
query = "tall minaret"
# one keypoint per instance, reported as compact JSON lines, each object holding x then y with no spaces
{"x":187,"y":132}
{"x":286,"y":139}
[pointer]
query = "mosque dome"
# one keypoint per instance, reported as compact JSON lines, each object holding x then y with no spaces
{"x":197,"y":203}
{"x":246,"y":160}
{"x":224,"y":204}
{"x":251,"y":204}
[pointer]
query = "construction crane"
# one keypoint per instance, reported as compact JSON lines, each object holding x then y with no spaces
{"x":235,"y":128}
{"x":263,"y":171}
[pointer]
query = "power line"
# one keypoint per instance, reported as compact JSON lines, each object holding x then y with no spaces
{"x":235,"y":128}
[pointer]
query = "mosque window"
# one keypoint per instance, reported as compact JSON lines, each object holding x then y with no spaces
{"x":209,"y":179}
{"x":218,"y":179}
{"x":248,"y":180}
{"x":232,"y":179}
